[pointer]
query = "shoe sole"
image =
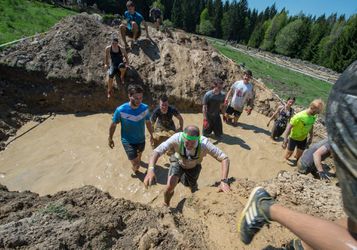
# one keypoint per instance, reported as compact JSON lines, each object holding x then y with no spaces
{"x":246,"y":207}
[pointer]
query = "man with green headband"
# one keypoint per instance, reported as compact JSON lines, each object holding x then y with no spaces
{"x":185,"y":167}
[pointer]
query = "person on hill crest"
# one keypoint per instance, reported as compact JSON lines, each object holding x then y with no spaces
{"x":133,"y":27}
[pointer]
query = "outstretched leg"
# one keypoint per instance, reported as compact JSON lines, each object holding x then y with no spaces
{"x":122,"y":29}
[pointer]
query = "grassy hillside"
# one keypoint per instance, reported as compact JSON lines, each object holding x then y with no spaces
{"x":20,"y":18}
{"x":283,"y":81}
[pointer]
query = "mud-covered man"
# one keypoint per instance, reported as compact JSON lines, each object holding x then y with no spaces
{"x":185,"y":165}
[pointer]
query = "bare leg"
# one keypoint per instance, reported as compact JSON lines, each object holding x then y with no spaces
{"x":315,"y":232}
{"x":170,"y":187}
{"x":122,"y":74}
{"x":298,"y":154}
{"x":110,"y":87}
{"x":122,"y":29}
{"x":235,"y":120}
{"x":136,"y":163}
{"x":135,"y":30}
{"x":288,"y":154}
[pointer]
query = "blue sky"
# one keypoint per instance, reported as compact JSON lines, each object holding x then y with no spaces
{"x":313,"y":7}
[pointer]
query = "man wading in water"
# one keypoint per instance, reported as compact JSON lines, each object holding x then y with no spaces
{"x":185,"y":164}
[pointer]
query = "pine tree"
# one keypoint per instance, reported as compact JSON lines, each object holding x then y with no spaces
{"x":291,"y":38}
{"x":319,"y":29}
{"x":177,"y":15}
{"x":217,"y":19}
{"x":277,"y":24}
{"x":344,"y":50}
{"x":325,"y":45}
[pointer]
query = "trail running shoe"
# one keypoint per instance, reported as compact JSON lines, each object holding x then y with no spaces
{"x":294,"y":245}
{"x":255,"y":214}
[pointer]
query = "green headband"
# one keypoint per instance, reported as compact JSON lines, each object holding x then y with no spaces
{"x":190,"y":137}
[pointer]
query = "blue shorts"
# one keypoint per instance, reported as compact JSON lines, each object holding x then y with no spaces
{"x":133,"y":150}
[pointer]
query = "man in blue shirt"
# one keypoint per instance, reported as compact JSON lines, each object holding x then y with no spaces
{"x":132,"y":29}
{"x":133,"y":116}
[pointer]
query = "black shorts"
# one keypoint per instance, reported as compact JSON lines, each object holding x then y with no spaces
{"x":214,"y":125}
{"x":133,"y":150}
{"x":294,"y":143}
{"x":114,"y":69}
{"x":277,"y":131}
{"x":129,"y":32}
{"x":188,"y":177}
{"x":231,"y":111}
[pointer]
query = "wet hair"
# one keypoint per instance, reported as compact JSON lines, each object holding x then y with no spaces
{"x":164,"y":98}
{"x":192,"y":130}
{"x":248,"y":72}
{"x":135,"y":89}
{"x":130,"y":3}
{"x":291,"y":98}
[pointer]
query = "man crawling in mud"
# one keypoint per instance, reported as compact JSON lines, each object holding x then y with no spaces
{"x":185,"y":164}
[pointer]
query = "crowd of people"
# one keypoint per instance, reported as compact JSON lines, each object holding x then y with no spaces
{"x":190,"y":147}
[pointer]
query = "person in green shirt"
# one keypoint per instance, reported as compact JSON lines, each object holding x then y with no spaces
{"x":299,"y":127}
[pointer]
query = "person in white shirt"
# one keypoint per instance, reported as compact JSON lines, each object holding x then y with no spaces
{"x":242,"y":94}
{"x":185,"y":167}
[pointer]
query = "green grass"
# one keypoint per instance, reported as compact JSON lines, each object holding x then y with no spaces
{"x":21,"y":18}
{"x":283,"y":81}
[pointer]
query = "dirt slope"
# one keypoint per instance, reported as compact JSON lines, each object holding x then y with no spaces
{"x":62,"y":71}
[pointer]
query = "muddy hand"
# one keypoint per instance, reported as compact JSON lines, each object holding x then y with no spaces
{"x":149,"y":178}
{"x":224,"y":187}
{"x":111,"y":143}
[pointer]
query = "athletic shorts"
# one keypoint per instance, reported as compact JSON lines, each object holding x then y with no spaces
{"x":129,"y":32}
{"x":114,"y":69}
{"x":292,"y":144}
{"x":277,"y":131}
{"x":231,"y":111}
{"x":214,"y":125}
{"x":188,"y":177}
{"x":133,"y":150}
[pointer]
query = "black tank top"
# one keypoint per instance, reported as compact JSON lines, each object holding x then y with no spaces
{"x":116,"y":57}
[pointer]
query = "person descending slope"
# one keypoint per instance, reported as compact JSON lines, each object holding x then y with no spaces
{"x":115,"y":53}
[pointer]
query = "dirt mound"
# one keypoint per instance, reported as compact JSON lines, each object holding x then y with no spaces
{"x":299,"y":192}
{"x":89,"y":218}
{"x":63,"y":71}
